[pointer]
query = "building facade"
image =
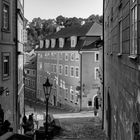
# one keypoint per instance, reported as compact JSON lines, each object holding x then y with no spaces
{"x":30,"y":84}
{"x":20,"y":58}
{"x":10,"y":60}
{"x":63,"y":57}
{"x":121,"y":69}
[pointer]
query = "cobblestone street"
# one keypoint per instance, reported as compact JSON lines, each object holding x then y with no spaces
{"x":80,"y":129}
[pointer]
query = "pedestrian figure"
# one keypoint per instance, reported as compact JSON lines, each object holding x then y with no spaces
{"x":6,"y":127}
{"x":24,"y":124}
{"x":30,"y":123}
{"x":96,"y":105}
{"x":1,"y":115}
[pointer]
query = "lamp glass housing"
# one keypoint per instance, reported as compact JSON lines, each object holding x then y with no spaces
{"x":47,"y":88}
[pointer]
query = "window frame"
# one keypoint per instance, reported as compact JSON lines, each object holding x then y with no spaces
{"x":73,"y":41}
{"x":77,"y":57}
{"x":78,"y":72}
{"x":76,"y":97}
{"x":120,"y":38}
{"x":72,"y":56}
{"x":66,"y":93}
{"x":71,"y":72}
{"x":61,"y":42}
{"x":47,"y":43}
{"x":66,"y":74}
{"x":95,"y":73}
{"x":41,"y":43}
{"x":96,"y":57}
{"x":66,"y":56}
{"x":6,"y":76}
{"x":53,"y":42}
{"x":5,"y":3}
{"x":71,"y":94}
{"x":90,"y":102}
{"x":133,"y":39}
{"x":60,"y":56}
{"x":60,"y":69}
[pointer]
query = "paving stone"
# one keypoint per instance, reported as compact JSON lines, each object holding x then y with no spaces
{"x":81,"y":129}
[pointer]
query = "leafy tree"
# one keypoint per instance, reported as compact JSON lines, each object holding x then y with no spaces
{"x":40,"y":28}
{"x":60,"y":20}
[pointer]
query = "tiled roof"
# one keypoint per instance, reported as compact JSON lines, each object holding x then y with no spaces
{"x":84,"y":34}
{"x":95,"y":30}
{"x":77,"y":30}
{"x":94,"y":45}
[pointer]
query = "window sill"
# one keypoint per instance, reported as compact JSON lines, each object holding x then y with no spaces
{"x":5,"y":78}
{"x":119,"y":54}
{"x":132,"y":56}
{"x":5,"y":30}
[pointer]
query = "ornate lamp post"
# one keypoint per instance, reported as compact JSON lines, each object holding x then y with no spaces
{"x":47,"y":90}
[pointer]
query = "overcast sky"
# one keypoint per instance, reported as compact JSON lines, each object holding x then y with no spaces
{"x":46,"y":9}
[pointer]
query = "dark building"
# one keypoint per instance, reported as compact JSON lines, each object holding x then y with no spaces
{"x":11,"y":60}
{"x":122,"y":69}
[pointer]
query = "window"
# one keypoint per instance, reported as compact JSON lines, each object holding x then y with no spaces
{"x":66,"y":70}
{"x":61,"y":56}
{"x":28,"y":71}
{"x":5,"y":16}
{"x":66,"y":56}
{"x":60,"y":69}
{"x":77,"y":72}
{"x":90,"y":103}
{"x":34,"y":73}
{"x":77,"y":57}
{"x":41,"y":43}
{"x":61,"y":42}
{"x":96,"y":56}
{"x":63,"y":84}
{"x":53,"y":41}
{"x":76,"y":97}
{"x":47,"y":43}
{"x":66,"y":93}
{"x":111,"y":14}
{"x":55,"y":68}
{"x":120,"y":37}
{"x":72,"y":56}
{"x":56,"y":80}
{"x":40,"y":65}
{"x":71,"y":95}
{"x":72,"y":71}
{"x":133,"y":31}
{"x":96,"y":72}
{"x":73,"y":41}
{"x":6,"y":65}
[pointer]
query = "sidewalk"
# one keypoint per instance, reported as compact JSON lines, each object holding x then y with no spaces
{"x":82,"y":114}
{"x":81,"y":129}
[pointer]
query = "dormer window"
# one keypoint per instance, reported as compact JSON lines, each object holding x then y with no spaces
{"x":41,"y":43}
{"x":61,"y":42}
{"x":47,"y":43}
{"x":73,"y":41}
{"x":53,"y":41}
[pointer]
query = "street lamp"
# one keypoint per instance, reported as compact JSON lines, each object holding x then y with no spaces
{"x":47,"y":90}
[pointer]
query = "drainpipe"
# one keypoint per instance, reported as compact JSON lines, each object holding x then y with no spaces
{"x":103,"y":70}
{"x":81,"y":89}
{"x":16,"y":51}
